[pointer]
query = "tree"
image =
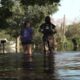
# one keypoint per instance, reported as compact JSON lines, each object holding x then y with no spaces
{"x":38,"y":2}
{"x":5,"y":12}
{"x":73,"y":31}
{"x":36,"y":10}
{"x":14,"y":12}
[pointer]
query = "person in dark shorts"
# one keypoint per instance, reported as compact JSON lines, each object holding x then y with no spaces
{"x":48,"y":30}
{"x":26,"y":36}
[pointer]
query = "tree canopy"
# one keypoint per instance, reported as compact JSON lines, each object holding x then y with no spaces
{"x":73,"y":31}
{"x":38,"y":2}
{"x":13,"y":12}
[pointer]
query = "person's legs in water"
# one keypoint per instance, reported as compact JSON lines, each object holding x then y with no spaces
{"x":29,"y":51}
{"x":51,"y":41}
{"x":27,"y":55}
{"x":25,"y":48}
{"x":51,"y":54}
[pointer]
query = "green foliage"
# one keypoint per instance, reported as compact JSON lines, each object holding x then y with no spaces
{"x":5,"y":12}
{"x":4,"y":35}
{"x":38,"y":2}
{"x":37,"y":13}
{"x":7,"y":3}
{"x":73,"y":31}
{"x":36,"y":10}
{"x":10,"y":15}
{"x":14,"y":12}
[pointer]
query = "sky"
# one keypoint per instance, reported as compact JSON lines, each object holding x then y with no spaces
{"x":69,"y":8}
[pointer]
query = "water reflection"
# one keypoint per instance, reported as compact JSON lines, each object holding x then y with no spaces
{"x":69,"y":65}
{"x":44,"y":68}
{"x":64,"y":66}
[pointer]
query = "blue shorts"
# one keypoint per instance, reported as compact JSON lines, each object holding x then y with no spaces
{"x":26,"y":42}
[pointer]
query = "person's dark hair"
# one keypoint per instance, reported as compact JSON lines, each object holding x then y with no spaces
{"x":47,"y":19}
{"x":25,"y":22}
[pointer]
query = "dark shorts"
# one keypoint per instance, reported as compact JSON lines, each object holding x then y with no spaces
{"x":47,"y":37}
{"x":26,"y":42}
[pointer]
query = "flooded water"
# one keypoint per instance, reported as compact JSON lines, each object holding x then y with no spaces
{"x":67,"y":67}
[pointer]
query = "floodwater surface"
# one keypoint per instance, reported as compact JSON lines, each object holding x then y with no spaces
{"x":67,"y":67}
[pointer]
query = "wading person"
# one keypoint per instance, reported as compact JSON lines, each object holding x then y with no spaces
{"x":48,"y":30}
{"x":26,"y":36}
